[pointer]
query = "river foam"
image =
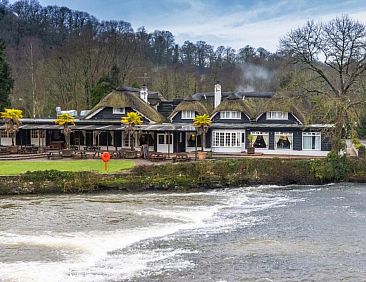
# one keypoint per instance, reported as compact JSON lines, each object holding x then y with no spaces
{"x":100,"y":255}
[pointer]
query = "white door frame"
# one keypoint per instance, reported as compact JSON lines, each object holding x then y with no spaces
{"x":163,"y":148}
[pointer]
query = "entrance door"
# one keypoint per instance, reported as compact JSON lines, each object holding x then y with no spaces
{"x":165,"y":143}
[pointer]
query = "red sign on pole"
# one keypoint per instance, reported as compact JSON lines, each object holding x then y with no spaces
{"x":105,"y":158}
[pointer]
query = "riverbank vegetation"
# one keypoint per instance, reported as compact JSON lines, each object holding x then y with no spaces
{"x":192,"y":176}
{"x":19,"y":167}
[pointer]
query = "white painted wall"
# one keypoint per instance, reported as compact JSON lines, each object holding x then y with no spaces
{"x":5,"y":141}
{"x":227,"y":150}
{"x":313,"y":153}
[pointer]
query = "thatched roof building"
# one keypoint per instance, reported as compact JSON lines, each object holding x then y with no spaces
{"x":125,"y":99}
{"x":234,"y":104}
{"x":200,"y":107}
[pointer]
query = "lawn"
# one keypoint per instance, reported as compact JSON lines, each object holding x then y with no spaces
{"x":18,"y":167}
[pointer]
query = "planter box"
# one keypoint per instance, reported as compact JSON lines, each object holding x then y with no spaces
{"x":202,"y":155}
{"x":251,"y":150}
{"x":67,"y":153}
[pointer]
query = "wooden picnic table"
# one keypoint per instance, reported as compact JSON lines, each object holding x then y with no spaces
{"x":181,"y":157}
{"x":156,"y":156}
{"x":4,"y":150}
{"x":79,"y":155}
{"x":29,"y":149}
{"x":54,"y":155}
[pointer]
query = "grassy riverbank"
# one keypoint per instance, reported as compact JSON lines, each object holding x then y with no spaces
{"x":190,"y":176}
{"x":19,"y":167}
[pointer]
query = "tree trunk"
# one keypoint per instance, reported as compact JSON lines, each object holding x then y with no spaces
{"x":132,"y":140}
{"x":202,"y":139}
{"x":338,"y":130}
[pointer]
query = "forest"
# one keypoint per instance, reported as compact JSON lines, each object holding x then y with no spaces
{"x":60,"y":57}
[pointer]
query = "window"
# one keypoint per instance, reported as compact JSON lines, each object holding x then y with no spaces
{"x":146,"y":139}
{"x":128,"y":140}
{"x":191,"y":140}
{"x":226,"y":139}
{"x":311,"y":141}
{"x":165,"y":139}
{"x":118,"y":111}
{"x":35,"y":133}
{"x":277,"y":115}
{"x":188,"y":114}
{"x":5,"y":134}
{"x":161,"y":139}
{"x":230,"y":115}
{"x":283,"y":140}
{"x":261,"y":139}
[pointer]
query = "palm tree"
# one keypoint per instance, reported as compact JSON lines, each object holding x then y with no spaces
{"x":66,"y":120}
{"x":202,"y":123}
{"x":130,"y":121}
{"x":12,"y":121}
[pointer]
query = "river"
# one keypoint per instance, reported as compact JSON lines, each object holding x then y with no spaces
{"x":266,"y":233}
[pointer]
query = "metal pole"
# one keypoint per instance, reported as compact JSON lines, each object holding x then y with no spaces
{"x":169,"y":142}
{"x":195,"y":152}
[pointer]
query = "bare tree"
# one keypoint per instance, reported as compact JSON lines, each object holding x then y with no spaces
{"x":335,"y":52}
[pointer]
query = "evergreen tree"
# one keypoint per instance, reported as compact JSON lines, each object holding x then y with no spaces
{"x":6,"y":82}
{"x":103,"y":87}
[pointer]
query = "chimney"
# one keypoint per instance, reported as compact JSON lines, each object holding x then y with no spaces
{"x":144,"y":92}
{"x":217,"y":94}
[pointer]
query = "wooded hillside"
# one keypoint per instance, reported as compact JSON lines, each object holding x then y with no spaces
{"x":61,"y":57}
{"x":58,"y":56}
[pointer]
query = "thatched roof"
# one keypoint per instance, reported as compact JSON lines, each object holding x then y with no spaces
{"x":119,"y":99}
{"x":284,"y":104}
{"x":192,"y":105}
{"x":238,"y":105}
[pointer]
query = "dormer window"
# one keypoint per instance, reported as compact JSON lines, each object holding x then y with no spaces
{"x":188,"y":114}
{"x":118,"y":111}
{"x":230,"y":115}
{"x":277,"y":115}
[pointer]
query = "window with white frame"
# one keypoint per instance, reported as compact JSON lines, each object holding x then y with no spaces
{"x":128,"y":139}
{"x":226,"y":139}
{"x":119,"y":111}
{"x":311,"y":141}
{"x":188,"y":114}
{"x":277,"y":115}
{"x":261,"y":139}
{"x":230,"y":115}
{"x":4,"y":134}
{"x":283,"y":140}
{"x":35,"y":133}
{"x":194,"y":140}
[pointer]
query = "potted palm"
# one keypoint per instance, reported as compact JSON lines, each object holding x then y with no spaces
{"x":12,"y":122}
{"x":202,"y":123}
{"x":131,"y":121}
{"x":66,"y":120}
{"x":251,"y":149}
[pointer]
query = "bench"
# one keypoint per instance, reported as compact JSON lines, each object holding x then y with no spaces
{"x":4,"y":151}
{"x":181,"y":157}
{"x":79,"y":155}
{"x":54,"y":155}
{"x":156,"y":157}
{"x":130,"y":154}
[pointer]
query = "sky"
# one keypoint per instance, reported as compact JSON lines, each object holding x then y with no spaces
{"x":233,"y":23}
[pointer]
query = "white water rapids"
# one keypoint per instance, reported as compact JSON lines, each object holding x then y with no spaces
{"x":116,"y":237}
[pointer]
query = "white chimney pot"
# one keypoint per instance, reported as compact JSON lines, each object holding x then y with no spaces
{"x":144,"y":93}
{"x":217,"y":99}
